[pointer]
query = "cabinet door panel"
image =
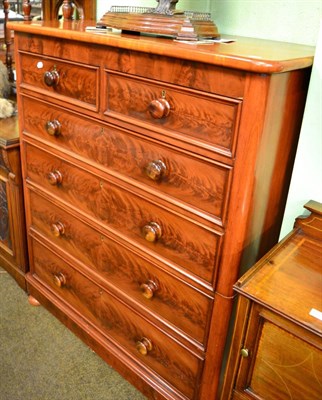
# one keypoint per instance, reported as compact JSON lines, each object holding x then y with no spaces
{"x":5,"y":239}
{"x":284,"y":360}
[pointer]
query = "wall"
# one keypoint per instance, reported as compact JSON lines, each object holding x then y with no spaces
{"x":293,"y":21}
{"x":296,"y":21}
{"x":196,"y":5}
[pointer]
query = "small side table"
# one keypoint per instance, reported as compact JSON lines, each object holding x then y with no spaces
{"x":13,"y":249}
{"x":276,"y":351}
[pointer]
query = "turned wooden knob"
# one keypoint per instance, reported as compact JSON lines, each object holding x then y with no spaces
{"x":53,"y":127}
{"x":155,"y":170}
{"x":51,"y":78}
{"x":148,"y":289}
{"x":159,"y":108}
{"x":55,"y":178}
{"x":244,"y":353}
{"x":152,"y":232}
{"x":59,"y":279}
{"x":58,"y":229}
{"x":143,"y":346}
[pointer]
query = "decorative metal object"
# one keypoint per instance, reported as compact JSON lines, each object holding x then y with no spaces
{"x":161,"y":20}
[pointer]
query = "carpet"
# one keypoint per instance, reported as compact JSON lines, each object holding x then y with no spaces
{"x":40,"y":359}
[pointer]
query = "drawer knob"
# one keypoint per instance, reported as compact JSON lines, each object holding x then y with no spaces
{"x":53,"y":127}
{"x":152,"y":232}
{"x":155,"y":170}
{"x":55,"y":178}
{"x":58,"y":229}
{"x":143,"y":346}
{"x":244,"y":353}
{"x":51,"y":78}
{"x":159,"y":108}
{"x":59,"y":280}
{"x":148,"y":289}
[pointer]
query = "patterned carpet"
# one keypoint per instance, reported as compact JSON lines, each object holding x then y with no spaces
{"x":40,"y":359}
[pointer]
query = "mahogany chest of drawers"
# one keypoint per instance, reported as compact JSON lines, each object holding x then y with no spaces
{"x":13,"y":244}
{"x":154,"y":171}
{"x":277,"y":347}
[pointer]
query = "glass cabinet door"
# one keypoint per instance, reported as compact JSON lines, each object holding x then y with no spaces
{"x":5,"y":239}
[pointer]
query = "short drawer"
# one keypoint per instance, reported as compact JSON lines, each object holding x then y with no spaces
{"x":123,"y":326}
{"x":63,"y":80}
{"x":202,"y":184}
{"x":147,"y":283}
{"x":191,"y":115}
{"x":162,"y":231}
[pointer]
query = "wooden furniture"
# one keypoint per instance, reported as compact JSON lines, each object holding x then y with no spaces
{"x":161,"y":20}
{"x":86,"y":9}
{"x":13,"y":246}
{"x":153,"y":172}
{"x":13,"y":243}
{"x":7,"y":50}
{"x":277,"y":348}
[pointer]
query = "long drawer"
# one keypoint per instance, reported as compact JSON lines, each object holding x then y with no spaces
{"x":122,"y":325}
{"x":165,"y":233}
{"x":148,"y":283}
{"x":203,"y":184}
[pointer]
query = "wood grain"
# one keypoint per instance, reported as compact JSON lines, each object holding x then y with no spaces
{"x":202,"y":184}
{"x":76,"y":81}
{"x":186,"y":244}
{"x":167,"y":357}
{"x":122,"y":269}
{"x":223,"y":119}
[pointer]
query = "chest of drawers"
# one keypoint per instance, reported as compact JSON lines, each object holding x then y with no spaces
{"x":277,"y":348}
{"x":154,"y":171}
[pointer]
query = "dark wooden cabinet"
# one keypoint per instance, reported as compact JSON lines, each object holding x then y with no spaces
{"x":154,"y":171}
{"x":13,"y":246}
{"x":277,"y":346}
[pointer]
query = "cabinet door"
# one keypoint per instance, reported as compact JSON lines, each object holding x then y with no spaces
{"x":279,"y":360}
{"x":5,"y":236}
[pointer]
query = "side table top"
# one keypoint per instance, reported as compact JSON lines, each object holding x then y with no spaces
{"x":288,"y":279}
{"x":9,"y":132}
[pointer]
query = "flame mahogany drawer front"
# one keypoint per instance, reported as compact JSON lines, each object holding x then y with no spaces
{"x":121,"y":324}
{"x":167,"y":234}
{"x":149,"y":284}
{"x":150,"y":178}
{"x":63,"y":80}
{"x":202,"y":116}
{"x":183,"y":177}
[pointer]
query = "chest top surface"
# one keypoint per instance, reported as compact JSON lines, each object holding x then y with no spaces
{"x":248,"y":54}
{"x":9,"y":133}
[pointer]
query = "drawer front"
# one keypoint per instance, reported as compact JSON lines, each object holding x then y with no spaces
{"x":180,"y":72}
{"x":137,"y":277}
{"x":67,"y":81}
{"x":161,"y":231}
{"x":195,"y":116}
{"x":201,"y":184}
{"x":120,"y":324}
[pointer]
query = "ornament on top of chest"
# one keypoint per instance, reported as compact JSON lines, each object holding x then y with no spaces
{"x":163,"y":20}
{"x":166,"y":7}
